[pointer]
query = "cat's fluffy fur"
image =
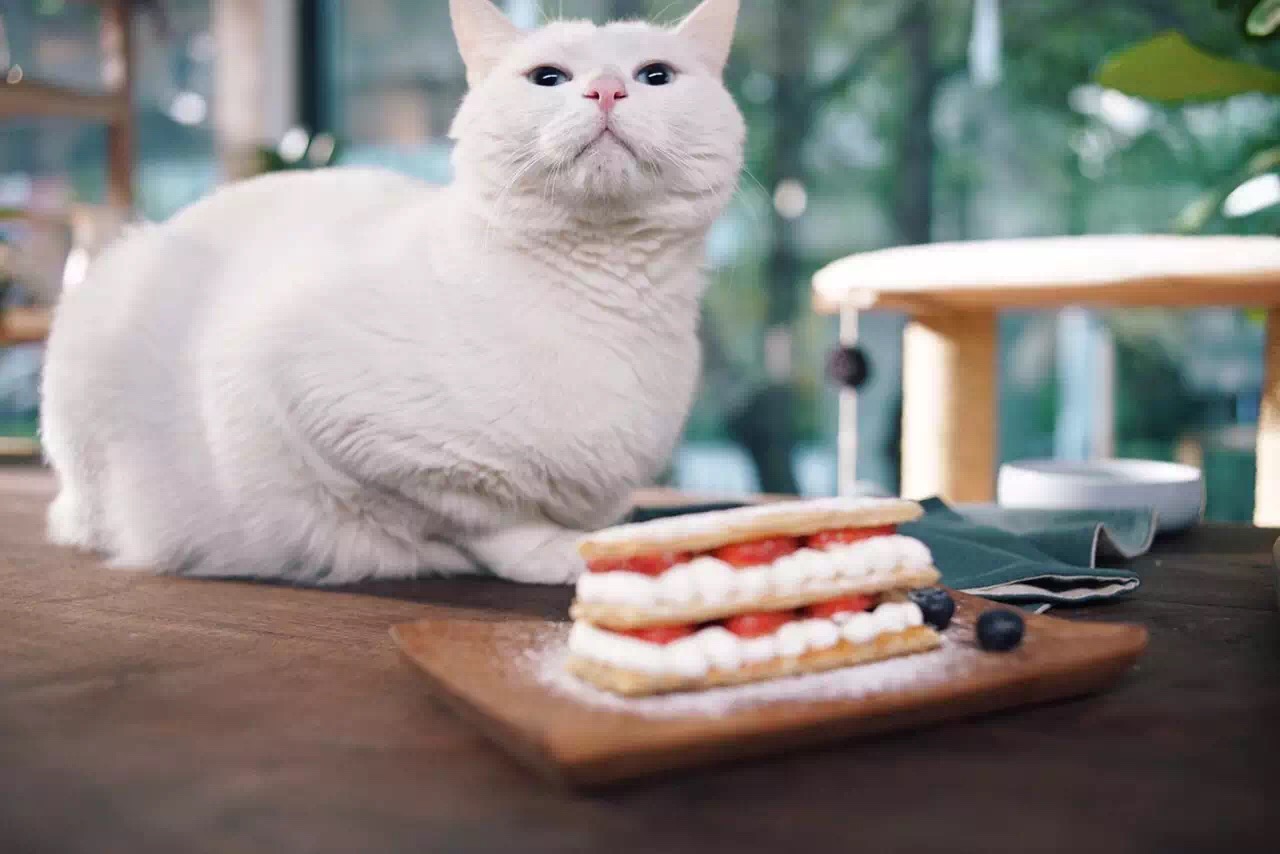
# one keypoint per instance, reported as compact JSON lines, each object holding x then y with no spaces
{"x":346,"y":374}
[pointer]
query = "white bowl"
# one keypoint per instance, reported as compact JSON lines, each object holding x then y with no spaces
{"x":1175,"y":492}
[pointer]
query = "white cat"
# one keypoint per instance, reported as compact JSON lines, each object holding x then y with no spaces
{"x":347,"y":374}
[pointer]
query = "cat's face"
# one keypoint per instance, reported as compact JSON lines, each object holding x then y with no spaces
{"x":626,"y":113}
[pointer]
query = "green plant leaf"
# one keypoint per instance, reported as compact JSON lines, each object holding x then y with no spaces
{"x":1264,"y":161}
{"x":1264,"y":19}
{"x":1195,"y":216}
{"x":1168,"y":67}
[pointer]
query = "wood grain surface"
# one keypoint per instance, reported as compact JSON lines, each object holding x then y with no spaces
{"x":142,"y":714}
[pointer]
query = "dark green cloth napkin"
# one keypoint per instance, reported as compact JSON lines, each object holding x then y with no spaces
{"x":1029,"y":557}
{"x":1032,"y":556}
{"x":1072,"y":536}
{"x":645,"y":514}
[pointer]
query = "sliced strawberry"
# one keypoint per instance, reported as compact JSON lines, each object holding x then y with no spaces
{"x":659,"y":634}
{"x":843,"y":605}
{"x":647,"y":564}
{"x":759,"y":623}
{"x":756,"y":552}
{"x":844,"y":536}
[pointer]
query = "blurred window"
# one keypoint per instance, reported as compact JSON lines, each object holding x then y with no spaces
{"x":879,"y":122}
{"x":48,"y":165}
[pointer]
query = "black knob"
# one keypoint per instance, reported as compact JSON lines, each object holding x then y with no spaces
{"x":848,"y":367}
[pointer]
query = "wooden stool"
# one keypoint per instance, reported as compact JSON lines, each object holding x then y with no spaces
{"x":952,"y":293}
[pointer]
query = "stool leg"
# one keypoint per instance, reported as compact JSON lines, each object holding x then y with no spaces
{"x":949,"y":382}
{"x":1266,"y":507}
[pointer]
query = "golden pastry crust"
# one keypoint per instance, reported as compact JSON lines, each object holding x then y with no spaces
{"x":704,"y":531}
{"x":844,"y":654}
{"x":611,"y":616}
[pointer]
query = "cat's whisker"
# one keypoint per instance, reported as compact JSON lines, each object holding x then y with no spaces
{"x":501,"y":199}
{"x":549,"y":185}
{"x":756,"y":218}
{"x":662,"y":13}
{"x":527,"y":153}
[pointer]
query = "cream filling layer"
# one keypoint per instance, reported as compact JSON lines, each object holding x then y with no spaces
{"x":709,"y":581}
{"x":715,"y":647}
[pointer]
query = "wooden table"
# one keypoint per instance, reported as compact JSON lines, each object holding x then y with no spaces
{"x":24,"y":325}
{"x":143,"y":714}
{"x":953,"y":292}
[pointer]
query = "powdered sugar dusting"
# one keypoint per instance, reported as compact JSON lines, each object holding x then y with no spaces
{"x":547,"y":661}
{"x":715,"y":521}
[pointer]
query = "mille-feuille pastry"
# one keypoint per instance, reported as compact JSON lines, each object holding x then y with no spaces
{"x":753,"y":593}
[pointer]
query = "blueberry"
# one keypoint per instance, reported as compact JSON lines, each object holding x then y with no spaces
{"x":936,"y":604}
{"x":1000,"y":630}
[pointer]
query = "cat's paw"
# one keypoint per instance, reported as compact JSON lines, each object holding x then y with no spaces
{"x":69,"y":524}
{"x":544,"y":567}
{"x":533,"y":554}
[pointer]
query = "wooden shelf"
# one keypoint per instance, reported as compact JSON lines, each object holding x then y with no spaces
{"x":57,"y":218}
{"x":23,"y":325}
{"x":46,"y":100}
{"x":112,"y":107}
{"x":19,"y":449}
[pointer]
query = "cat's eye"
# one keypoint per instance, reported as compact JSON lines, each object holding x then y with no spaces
{"x":549,"y":75}
{"x":656,"y":74}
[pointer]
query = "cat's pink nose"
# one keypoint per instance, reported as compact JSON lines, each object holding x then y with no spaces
{"x":607,"y":90}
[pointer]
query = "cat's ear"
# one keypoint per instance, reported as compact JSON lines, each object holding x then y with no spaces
{"x":710,"y":28}
{"x":484,"y":35}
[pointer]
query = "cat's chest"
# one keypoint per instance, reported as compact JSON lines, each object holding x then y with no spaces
{"x":602,"y":379}
{"x":559,"y":355}
{"x":592,"y":391}
{"x":594,"y":324}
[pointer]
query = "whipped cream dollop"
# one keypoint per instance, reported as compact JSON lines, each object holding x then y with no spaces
{"x":709,"y":581}
{"x":716,"y":648}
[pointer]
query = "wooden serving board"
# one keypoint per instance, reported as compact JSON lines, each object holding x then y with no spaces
{"x":496,"y":674}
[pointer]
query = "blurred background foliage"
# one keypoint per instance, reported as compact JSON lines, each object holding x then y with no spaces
{"x":871,"y":123}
